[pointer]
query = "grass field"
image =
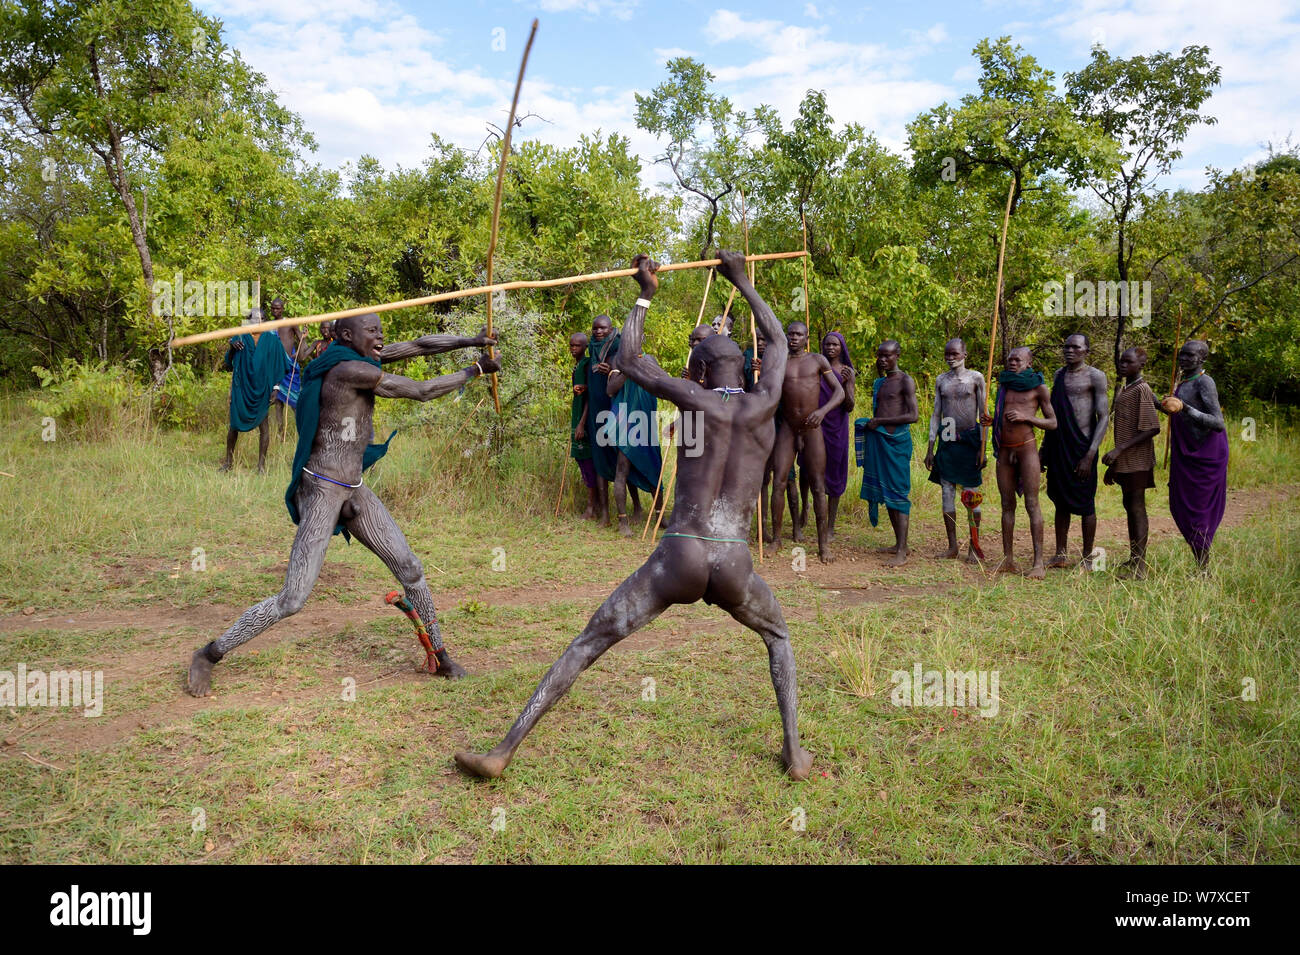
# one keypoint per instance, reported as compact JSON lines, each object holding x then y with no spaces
{"x":1114,"y":696}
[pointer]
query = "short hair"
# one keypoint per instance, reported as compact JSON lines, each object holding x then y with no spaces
{"x":1024,"y":348}
{"x":890,"y":345}
{"x":582,"y":335}
{"x":1202,"y":346}
{"x":261,"y":316}
{"x":1087,"y":342}
{"x":352,"y":323}
{"x":957,"y":341}
{"x":794,"y":323}
{"x":1139,"y":353}
{"x":277,"y":301}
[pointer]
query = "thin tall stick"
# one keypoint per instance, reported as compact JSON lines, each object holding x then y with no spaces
{"x":496,"y":202}
{"x":989,"y":391}
{"x":200,"y":337}
{"x":672,"y":484}
{"x":807,"y":311}
{"x":704,"y":301}
{"x":564,"y":472}
{"x":744,"y":221}
{"x":663,"y":463}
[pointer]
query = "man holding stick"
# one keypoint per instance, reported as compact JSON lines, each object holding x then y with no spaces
{"x":255,"y":362}
{"x":327,"y":496}
{"x":1131,"y":464}
{"x":704,"y":553}
{"x":959,"y":397}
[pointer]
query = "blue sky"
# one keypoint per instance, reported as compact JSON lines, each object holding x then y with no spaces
{"x":378,"y":76}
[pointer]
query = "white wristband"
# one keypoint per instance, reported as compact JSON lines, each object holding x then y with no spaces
{"x":643,"y":302}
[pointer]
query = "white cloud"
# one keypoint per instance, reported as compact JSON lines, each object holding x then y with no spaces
{"x":810,"y":11}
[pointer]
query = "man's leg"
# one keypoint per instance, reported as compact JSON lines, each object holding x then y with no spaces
{"x":948,"y":492}
{"x":832,"y":511}
{"x":799,"y":517}
{"x":318,"y":508}
{"x":602,"y":501}
{"x":1089,"y":523}
{"x":1007,"y":491}
{"x":374,"y":527}
{"x":814,"y":461}
{"x":760,"y":612}
{"x":1062,"y":525}
{"x":1031,"y":475}
{"x":621,"y":470}
{"x":782,"y":458}
{"x":900,"y":522}
{"x":231,"y":437}
{"x":636,"y":602}
{"x":263,"y":442}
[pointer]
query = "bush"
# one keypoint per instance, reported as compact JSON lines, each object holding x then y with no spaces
{"x":92,"y":401}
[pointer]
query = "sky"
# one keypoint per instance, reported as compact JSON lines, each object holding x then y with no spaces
{"x":377,"y":77}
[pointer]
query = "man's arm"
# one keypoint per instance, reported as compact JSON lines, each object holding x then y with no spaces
{"x":777,"y":350}
{"x":432,"y":345}
{"x":936,"y":422}
{"x":1048,"y":421}
{"x":363,"y":376}
{"x":837,"y":393}
{"x":641,"y":368}
{"x":850,"y":390}
{"x":1207,"y":394}
{"x":1101,"y":418}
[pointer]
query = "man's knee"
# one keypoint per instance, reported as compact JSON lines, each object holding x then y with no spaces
{"x":292,"y":599}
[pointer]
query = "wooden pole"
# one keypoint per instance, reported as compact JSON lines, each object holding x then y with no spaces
{"x":663,"y":463}
{"x":496,"y":202}
{"x":564,"y":472}
{"x":989,"y":391}
{"x":705,"y":301}
{"x":807,"y":311}
{"x":758,"y":507}
{"x":672,"y":484}
{"x":200,"y":337}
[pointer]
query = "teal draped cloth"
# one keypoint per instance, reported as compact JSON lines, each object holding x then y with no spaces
{"x":637,"y":434}
{"x":308,"y":418}
{"x":254,"y":372}
{"x":886,"y":462}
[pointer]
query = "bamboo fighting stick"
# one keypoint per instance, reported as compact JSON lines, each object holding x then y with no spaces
{"x":671,"y":486}
{"x":1173,"y":384}
{"x":807,"y":310}
{"x":705,"y":301}
{"x":997,"y":308}
{"x":496,"y":202}
{"x":758,"y":507}
{"x":200,"y":337}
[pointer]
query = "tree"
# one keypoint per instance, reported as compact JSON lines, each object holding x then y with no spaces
{"x":1147,"y":104}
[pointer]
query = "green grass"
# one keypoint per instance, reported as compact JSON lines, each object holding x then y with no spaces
{"x":1121,"y":696}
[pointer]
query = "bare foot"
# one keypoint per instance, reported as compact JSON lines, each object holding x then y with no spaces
{"x":970,"y":556}
{"x":952,"y":553}
{"x":449,"y":668}
{"x":825,"y":556}
{"x":623,"y":528}
{"x":1008,"y":566}
{"x":796,"y":535}
{"x":1085,"y":565}
{"x":199,"y":681}
{"x":1058,"y":561}
{"x":1037,"y":572}
{"x":261,"y":468}
{"x":224,"y":466}
{"x":797,"y":765}
{"x":891,"y":549}
{"x":900,"y":558}
{"x":589,"y":514}
{"x":483,"y":765}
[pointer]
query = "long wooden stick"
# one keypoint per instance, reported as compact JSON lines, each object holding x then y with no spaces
{"x":989,"y":391}
{"x":200,"y":337}
{"x":668,"y":489}
{"x":807,"y":311}
{"x":744,"y":221}
{"x":704,"y":301}
{"x":1173,"y":384}
{"x":496,"y":202}
{"x":564,"y":472}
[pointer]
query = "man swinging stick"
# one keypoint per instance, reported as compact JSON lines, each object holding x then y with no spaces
{"x":704,"y":553}
{"x":327,"y":496}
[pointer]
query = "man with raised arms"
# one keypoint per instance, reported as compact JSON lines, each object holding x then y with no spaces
{"x":326,"y":495}
{"x":704,"y":553}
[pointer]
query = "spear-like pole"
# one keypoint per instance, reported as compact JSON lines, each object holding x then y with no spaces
{"x":496,"y":201}
{"x":220,"y":333}
{"x":997,"y":308}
